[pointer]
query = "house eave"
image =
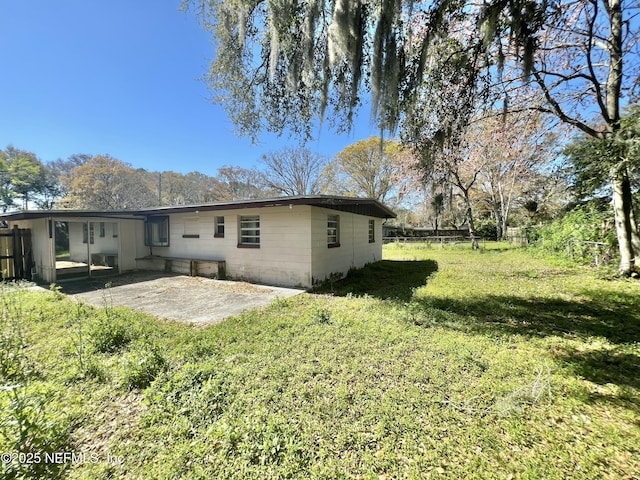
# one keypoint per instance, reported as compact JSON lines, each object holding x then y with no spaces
{"x":361,"y":206}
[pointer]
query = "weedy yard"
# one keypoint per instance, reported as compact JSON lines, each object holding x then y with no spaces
{"x":434,"y":363}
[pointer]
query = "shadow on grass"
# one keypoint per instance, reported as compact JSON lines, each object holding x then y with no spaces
{"x":599,"y":314}
{"x":615,"y":319}
{"x":386,"y":279}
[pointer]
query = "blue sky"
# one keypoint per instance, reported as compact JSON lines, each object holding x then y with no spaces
{"x":121,"y":77}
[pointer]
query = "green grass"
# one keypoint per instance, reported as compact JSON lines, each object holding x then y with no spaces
{"x":435,"y":363}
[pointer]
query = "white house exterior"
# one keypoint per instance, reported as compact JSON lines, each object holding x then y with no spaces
{"x":289,"y":241}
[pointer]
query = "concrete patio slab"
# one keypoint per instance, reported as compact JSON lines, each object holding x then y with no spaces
{"x":176,"y":297}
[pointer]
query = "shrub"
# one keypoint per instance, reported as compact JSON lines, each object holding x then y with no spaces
{"x":31,"y":427}
{"x":14,"y":364}
{"x":568,"y":237}
{"x":486,"y":228}
{"x":110,"y":333}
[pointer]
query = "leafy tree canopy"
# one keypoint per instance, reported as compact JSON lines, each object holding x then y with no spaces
{"x":591,"y":159}
{"x":368,"y":168}
{"x":22,"y":177}
{"x":283,"y":64}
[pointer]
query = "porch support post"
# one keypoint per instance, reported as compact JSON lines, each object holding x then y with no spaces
{"x":89,"y":247}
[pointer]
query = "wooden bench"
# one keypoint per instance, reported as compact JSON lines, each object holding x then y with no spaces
{"x":218,"y":265}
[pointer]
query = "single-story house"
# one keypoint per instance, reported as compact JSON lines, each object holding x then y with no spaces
{"x":289,"y":241}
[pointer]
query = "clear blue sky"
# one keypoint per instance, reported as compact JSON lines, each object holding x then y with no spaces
{"x":121,"y":77}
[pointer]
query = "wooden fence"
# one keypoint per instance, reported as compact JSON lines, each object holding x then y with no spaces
{"x":430,"y":239}
{"x":15,"y":254}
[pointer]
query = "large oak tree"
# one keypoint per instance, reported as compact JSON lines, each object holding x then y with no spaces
{"x":281,"y":65}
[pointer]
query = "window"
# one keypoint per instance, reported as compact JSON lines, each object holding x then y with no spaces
{"x":87,"y":233}
{"x":102,"y":231}
{"x":219,"y":227}
{"x":372,"y":231}
{"x":249,"y":231}
{"x":156,"y":231}
{"x":333,"y":230}
{"x":114,"y":227}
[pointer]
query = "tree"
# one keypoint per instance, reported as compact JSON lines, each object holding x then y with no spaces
{"x":6,"y":192}
{"x":64,"y":167}
{"x":282,"y":65}
{"x":592,"y":160}
{"x":22,"y":176}
{"x":368,"y":168}
{"x":105,"y":183}
{"x":54,"y":187}
{"x":172,"y":188}
{"x":514,"y":150}
{"x":242,"y":184}
{"x":50,"y":190}
{"x":294,"y":171}
{"x":589,"y":159}
{"x":583,"y":63}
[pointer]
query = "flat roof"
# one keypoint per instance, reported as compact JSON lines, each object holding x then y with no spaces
{"x":362,"y":206}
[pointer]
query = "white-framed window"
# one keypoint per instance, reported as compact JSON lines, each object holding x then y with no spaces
{"x":219,"y":227}
{"x":372,"y":231}
{"x":102,"y":230}
{"x":156,"y":231}
{"x":114,"y":227}
{"x":87,"y":233}
{"x":333,"y":230}
{"x":249,"y":231}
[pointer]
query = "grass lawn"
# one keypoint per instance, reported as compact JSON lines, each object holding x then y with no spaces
{"x":434,"y":363}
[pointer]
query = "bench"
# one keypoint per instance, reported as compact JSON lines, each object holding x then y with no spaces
{"x":219,"y":266}
{"x":107,"y":259}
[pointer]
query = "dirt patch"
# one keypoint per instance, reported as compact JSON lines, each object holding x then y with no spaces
{"x":176,"y":297}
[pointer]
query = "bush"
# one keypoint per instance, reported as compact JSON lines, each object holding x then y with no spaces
{"x":30,"y":428}
{"x":486,"y":228}
{"x":568,"y":237}
{"x":110,"y":333}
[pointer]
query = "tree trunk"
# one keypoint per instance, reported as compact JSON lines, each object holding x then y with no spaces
{"x":635,"y":238}
{"x":498,"y":219}
{"x":622,"y":209}
{"x":622,"y":198}
{"x":505,"y":222}
{"x":472,"y":228}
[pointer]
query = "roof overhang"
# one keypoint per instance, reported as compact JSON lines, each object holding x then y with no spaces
{"x":61,"y":214}
{"x":361,"y":206}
